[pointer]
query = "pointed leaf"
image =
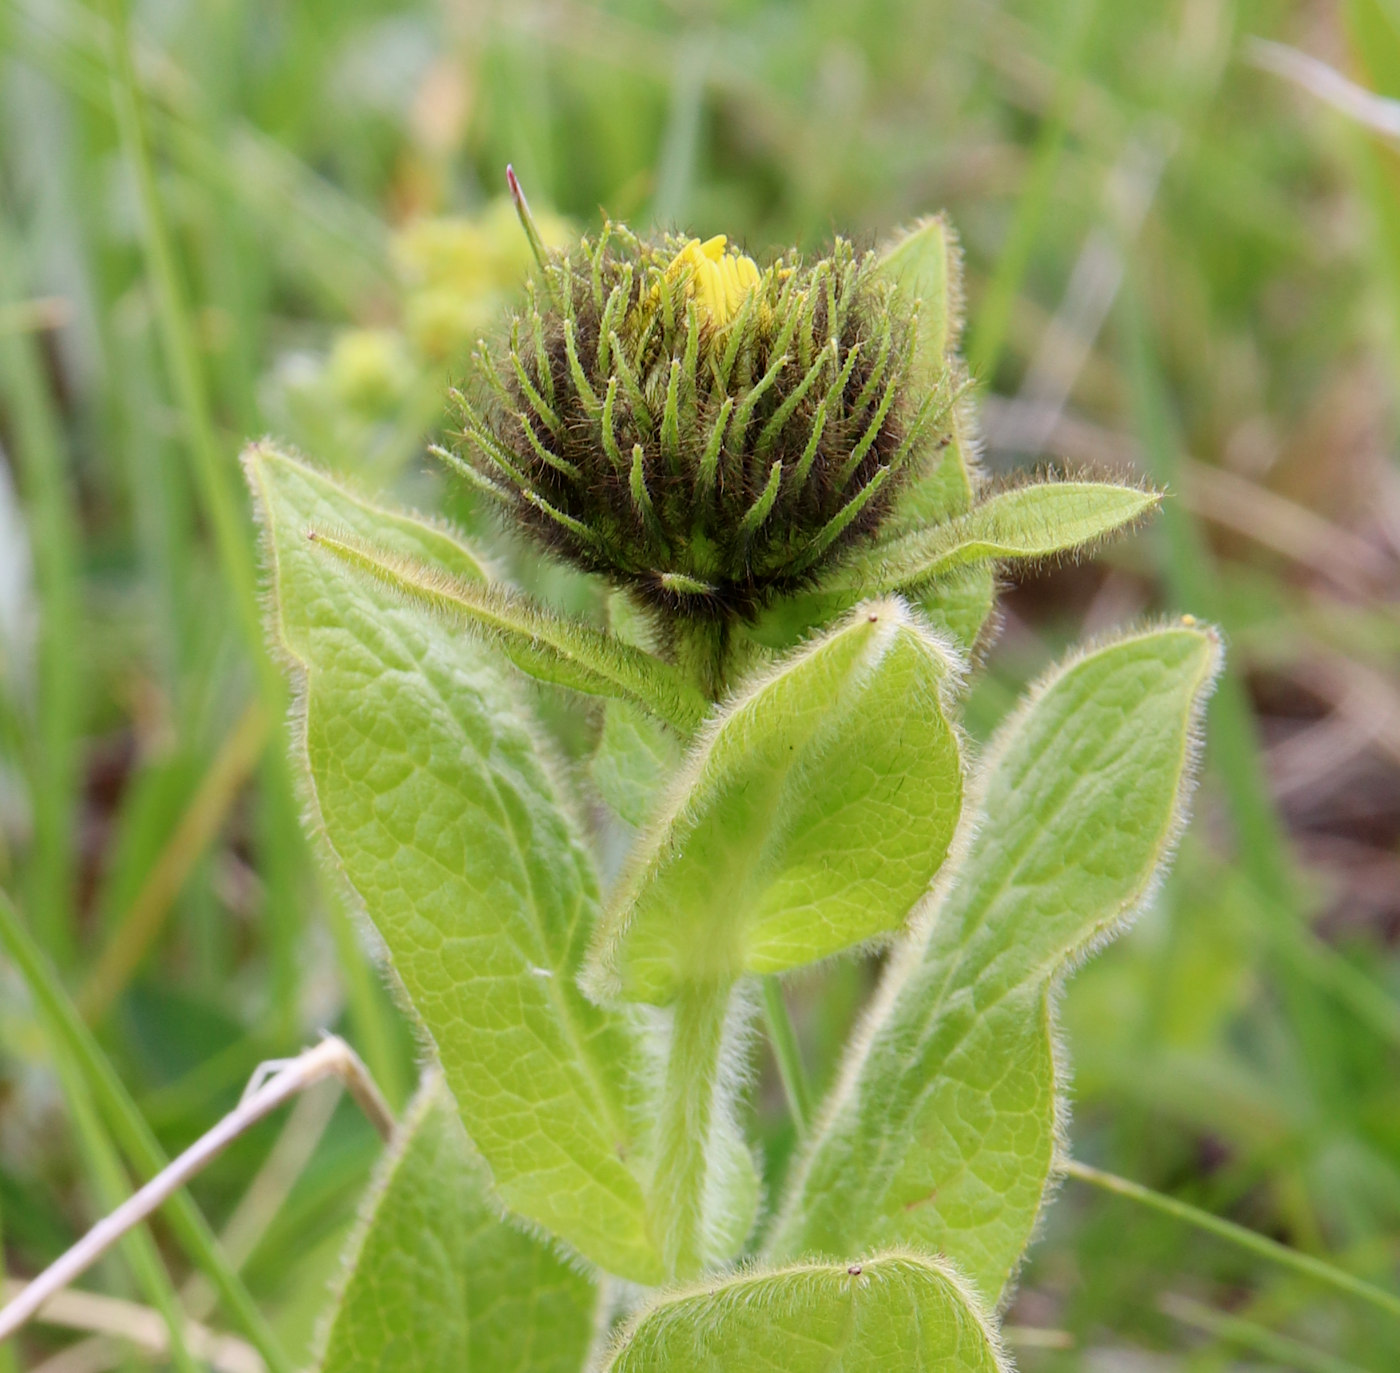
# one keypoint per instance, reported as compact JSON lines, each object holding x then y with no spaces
{"x":548,"y":646}
{"x":926,"y":261}
{"x":436,"y":1279}
{"x":813,"y":815}
{"x":1026,"y":524}
{"x":440,"y":805}
{"x":941,"y":1130}
{"x":895,"y":1311}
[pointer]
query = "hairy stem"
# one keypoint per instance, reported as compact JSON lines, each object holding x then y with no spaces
{"x":690,"y":1100}
{"x":698,"y":647}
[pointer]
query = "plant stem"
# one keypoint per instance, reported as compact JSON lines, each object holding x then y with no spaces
{"x":141,"y":923}
{"x":686,"y":1126}
{"x":133,"y":1134}
{"x":1261,"y":1245}
{"x":8,"y":1363}
{"x":213,"y":469}
{"x":783,"y":1037}
{"x":698,"y":647}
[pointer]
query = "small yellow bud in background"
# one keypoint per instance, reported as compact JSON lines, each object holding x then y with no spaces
{"x":717,"y":280}
{"x":370,"y":371}
{"x":459,"y":273}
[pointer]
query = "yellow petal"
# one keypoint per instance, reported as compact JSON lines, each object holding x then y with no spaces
{"x":717,"y":280}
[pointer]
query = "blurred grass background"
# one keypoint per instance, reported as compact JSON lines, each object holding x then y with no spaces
{"x":224,"y":218}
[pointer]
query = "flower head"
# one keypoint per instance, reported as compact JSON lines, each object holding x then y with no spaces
{"x":705,"y":432}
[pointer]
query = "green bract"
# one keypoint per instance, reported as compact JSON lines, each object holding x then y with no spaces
{"x":777,"y":742}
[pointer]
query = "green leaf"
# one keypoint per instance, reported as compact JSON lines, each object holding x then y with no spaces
{"x":548,"y":646}
{"x":635,"y":757}
{"x":926,"y":261}
{"x":437,"y":1280}
{"x":812,"y":816}
{"x":636,"y":754}
{"x":898,"y":1311}
{"x":1026,"y":524}
{"x":960,"y":604}
{"x":941,"y":1130}
{"x":944,"y":489}
{"x":442,"y":808}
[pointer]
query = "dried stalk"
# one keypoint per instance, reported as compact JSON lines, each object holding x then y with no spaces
{"x":273,"y":1084}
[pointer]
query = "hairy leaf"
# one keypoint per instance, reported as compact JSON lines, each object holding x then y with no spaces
{"x":926,"y":261}
{"x":548,"y":646}
{"x":438,"y":803}
{"x":635,"y":757}
{"x":812,"y":817}
{"x":941,"y":1130}
{"x":960,"y":604}
{"x":437,"y":1280}
{"x":896,"y":1311}
{"x":1028,"y":523}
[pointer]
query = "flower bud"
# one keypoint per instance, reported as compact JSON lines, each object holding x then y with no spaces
{"x":705,"y":432}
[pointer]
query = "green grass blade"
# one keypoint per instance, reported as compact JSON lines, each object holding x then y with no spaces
{"x":783,"y":1038}
{"x":1250,"y":1335}
{"x":133,"y":1134}
{"x":1263,"y":848}
{"x":1318,"y":1270}
{"x":42,"y":462}
{"x":214,"y":469}
{"x":112,"y":1187}
{"x":993,"y":316}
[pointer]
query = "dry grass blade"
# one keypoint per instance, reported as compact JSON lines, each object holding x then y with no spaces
{"x":1328,"y":85}
{"x":232,"y":766}
{"x":271,"y":1086}
{"x":120,"y":1323}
